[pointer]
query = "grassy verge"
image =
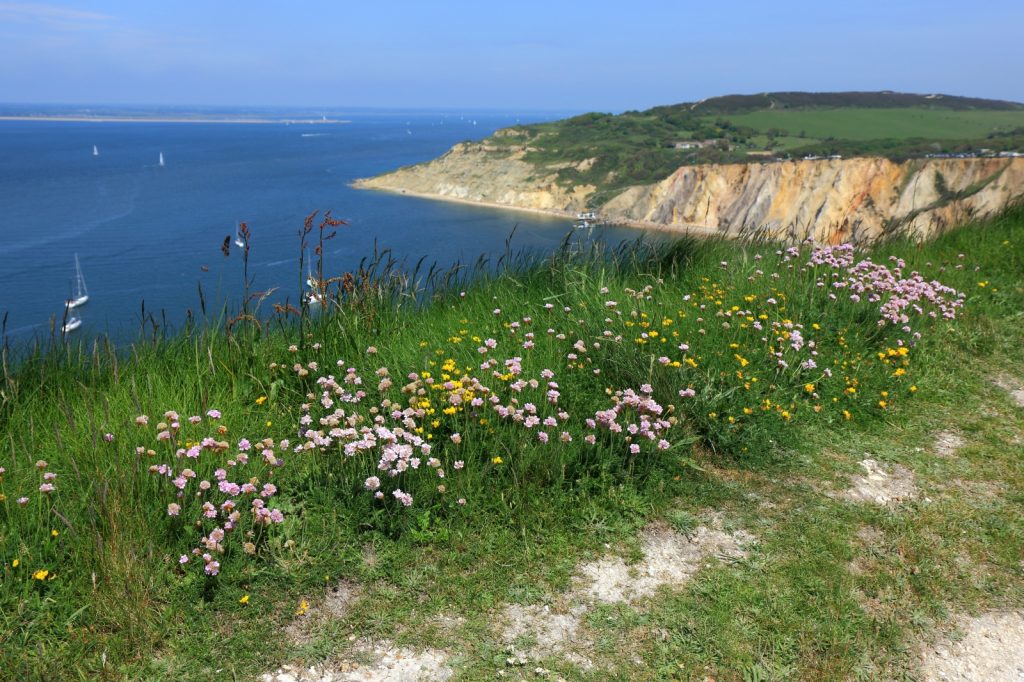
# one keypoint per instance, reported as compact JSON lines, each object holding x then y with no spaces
{"x":209,"y":488}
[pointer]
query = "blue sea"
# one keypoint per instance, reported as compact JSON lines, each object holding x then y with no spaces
{"x":149,"y":236}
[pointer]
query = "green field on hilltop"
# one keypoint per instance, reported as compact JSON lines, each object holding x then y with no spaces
{"x":644,"y":147}
{"x":445,"y":465}
{"x":857,"y":123}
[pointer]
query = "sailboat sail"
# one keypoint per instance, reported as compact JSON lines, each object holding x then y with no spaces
{"x":239,"y":242}
{"x":161,"y":159}
{"x":81,"y":296}
{"x":95,"y":150}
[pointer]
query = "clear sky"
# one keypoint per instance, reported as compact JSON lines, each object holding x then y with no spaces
{"x":525,"y":54}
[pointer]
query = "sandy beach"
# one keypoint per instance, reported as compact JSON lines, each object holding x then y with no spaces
{"x":682,"y":230}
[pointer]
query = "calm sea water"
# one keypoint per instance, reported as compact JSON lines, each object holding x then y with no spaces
{"x":149,"y":235}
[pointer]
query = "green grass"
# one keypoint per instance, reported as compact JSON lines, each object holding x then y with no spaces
{"x":119,"y":606}
{"x":872,"y":124}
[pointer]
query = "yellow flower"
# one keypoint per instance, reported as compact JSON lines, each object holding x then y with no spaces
{"x":497,"y":460}
{"x":913,"y":389}
{"x":262,"y":399}
{"x":809,"y":388}
{"x":846,"y":415}
{"x":40,"y":574}
{"x":15,"y":563}
{"x":270,"y":423}
{"x":303,"y":607}
{"x":54,"y":532}
{"x":244,"y":600}
{"x":882,"y":404}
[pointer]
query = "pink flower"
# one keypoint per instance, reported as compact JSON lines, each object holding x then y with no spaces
{"x":142,"y":420}
{"x":456,"y":438}
{"x":372,"y":483}
{"x":459,"y":464}
{"x":404,"y":498}
{"x":213,"y":414}
{"x":47,"y":488}
{"x":173,"y":509}
{"x":183,"y":559}
{"x":22,"y":501}
{"x":687,"y":393}
{"x":41,"y":464}
{"x":109,"y":437}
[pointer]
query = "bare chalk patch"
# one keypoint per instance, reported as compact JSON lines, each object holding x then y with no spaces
{"x":670,"y":558}
{"x":990,"y":647}
{"x":1013,"y":386}
{"x":536,"y":632}
{"x":334,"y":604}
{"x":947,"y":443}
{"x":380,"y":662}
{"x":881,"y":486}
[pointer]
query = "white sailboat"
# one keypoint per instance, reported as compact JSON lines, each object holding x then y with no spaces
{"x":95,"y":150}
{"x":71,"y":324}
{"x":161,"y":159}
{"x":313,"y":296}
{"x":239,"y":242}
{"x":81,"y":292}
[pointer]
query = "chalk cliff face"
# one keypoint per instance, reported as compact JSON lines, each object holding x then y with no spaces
{"x":487,"y":174}
{"x":830,"y":199}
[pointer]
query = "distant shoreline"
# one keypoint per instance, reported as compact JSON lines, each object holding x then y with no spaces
{"x":148,"y":119}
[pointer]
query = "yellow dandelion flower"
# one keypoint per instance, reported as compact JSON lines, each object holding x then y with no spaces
{"x":809,"y":388}
{"x":846,"y":415}
{"x":244,"y":600}
{"x":262,"y":399}
{"x":54,"y":533}
{"x":15,"y":563}
{"x":40,"y":574}
{"x":913,"y":389}
{"x":497,"y":460}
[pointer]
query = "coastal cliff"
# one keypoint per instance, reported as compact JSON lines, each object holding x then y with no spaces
{"x":856,"y":199}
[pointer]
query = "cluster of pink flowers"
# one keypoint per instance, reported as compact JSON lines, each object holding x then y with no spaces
{"x":898,"y":296}
{"x":200,"y":479}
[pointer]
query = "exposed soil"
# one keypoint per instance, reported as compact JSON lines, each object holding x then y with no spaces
{"x":388,"y":664}
{"x":881,"y":486}
{"x":1013,"y":386}
{"x":334,"y":604}
{"x":947,"y":443}
{"x":989,"y":647}
{"x":535,"y":632}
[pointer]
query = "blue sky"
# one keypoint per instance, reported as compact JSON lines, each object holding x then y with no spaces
{"x":607,"y":56}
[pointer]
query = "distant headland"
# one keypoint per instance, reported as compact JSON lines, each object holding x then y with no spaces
{"x":845,"y":165}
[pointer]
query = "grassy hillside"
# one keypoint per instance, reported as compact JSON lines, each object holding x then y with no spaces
{"x":645,"y":147}
{"x":192,"y":508}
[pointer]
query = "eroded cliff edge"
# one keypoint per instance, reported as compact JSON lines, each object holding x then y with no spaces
{"x":830,"y":199}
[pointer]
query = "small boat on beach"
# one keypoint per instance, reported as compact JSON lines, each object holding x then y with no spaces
{"x":81,"y":296}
